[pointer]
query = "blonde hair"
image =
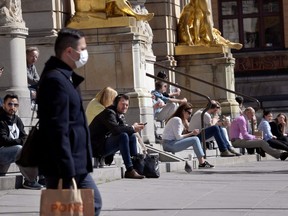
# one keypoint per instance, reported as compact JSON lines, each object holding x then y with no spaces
{"x":106,"y":96}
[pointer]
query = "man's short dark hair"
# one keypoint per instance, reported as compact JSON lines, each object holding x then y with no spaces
{"x":159,"y":85}
{"x":67,"y":38}
{"x":239,"y":99}
{"x":11,"y":96}
{"x":118,"y":98}
{"x":162,"y":75}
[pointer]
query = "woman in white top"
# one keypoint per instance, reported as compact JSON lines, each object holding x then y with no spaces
{"x":174,"y":140}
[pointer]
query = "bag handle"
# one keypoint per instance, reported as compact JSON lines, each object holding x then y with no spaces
{"x":60,"y":184}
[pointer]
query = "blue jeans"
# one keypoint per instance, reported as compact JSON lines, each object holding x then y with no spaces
{"x":82,"y":181}
{"x":219,"y":136}
{"x":123,"y":142}
{"x":180,"y":145}
{"x":10,"y":155}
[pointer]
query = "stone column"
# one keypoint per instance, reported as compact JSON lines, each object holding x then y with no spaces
{"x":164,"y":25}
{"x":13,"y":57}
{"x":216,"y":68}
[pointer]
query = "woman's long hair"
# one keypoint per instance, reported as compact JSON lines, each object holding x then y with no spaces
{"x":106,"y":96}
{"x":280,"y":127}
{"x":179,"y":111}
{"x":276,"y":119}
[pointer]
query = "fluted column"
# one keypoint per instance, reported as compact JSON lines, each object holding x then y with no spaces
{"x":12,"y":44}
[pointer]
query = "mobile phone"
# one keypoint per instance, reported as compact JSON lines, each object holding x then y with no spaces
{"x":143,"y":123}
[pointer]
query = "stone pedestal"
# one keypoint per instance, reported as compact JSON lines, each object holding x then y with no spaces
{"x":217,"y":68}
{"x":119,"y":58}
{"x":13,"y":58}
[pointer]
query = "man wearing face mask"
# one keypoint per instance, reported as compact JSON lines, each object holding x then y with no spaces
{"x":66,"y":149}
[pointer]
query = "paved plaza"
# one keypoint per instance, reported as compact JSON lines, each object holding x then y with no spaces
{"x":254,"y":188}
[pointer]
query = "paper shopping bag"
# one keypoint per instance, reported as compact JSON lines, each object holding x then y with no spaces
{"x":67,"y":202}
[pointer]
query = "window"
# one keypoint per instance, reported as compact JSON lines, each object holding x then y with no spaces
{"x":257,"y":24}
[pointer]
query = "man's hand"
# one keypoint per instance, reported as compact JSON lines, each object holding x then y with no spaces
{"x":138,"y":126}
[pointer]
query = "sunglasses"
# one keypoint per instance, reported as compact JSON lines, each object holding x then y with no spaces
{"x":190,"y":113}
{"x":13,"y":104}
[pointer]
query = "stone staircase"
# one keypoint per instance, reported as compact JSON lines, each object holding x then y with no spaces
{"x":13,"y":179}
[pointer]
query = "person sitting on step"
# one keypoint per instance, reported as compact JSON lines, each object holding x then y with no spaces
{"x":12,"y":138}
{"x":213,"y":129}
{"x":240,"y":137}
{"x":174,"y":140}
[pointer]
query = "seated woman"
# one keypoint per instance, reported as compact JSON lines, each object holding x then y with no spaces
{"x":278,"y":126}
{"x":174,"y":140}
{"x":102,"y":100}
{"x":265,"y":127}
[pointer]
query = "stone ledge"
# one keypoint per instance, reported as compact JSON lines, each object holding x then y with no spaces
{"x":112,"y":173}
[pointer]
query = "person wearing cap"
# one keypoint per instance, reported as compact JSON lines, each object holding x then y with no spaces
{"x":170,"y":104}
{"x":174,"y":91}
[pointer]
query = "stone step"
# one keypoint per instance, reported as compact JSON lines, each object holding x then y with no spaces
{"x":111,"y":173}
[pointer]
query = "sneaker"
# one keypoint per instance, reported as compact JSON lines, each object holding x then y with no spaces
{"x":205,"y":165}
{"x":34,"y":185}
{"x":283,"y":156}
{"x":234,"y":152}
{"x":187,"y":167}
{"x":42,"y":181}
{"x":226,"y":154}
{"x":133,"y":174}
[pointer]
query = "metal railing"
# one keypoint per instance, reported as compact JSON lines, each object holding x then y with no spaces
{"x":258,"y":106}
{"x":193,"y":92}
{"x":212,"y":84}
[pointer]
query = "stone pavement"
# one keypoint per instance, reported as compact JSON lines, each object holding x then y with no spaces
{"x":252,"y":188}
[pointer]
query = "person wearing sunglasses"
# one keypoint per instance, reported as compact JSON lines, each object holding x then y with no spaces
{"x":12,"y":137}
{"x":174,"y":140}
{"x":170,"y":104}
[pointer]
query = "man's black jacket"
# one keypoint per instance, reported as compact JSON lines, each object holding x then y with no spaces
{"x":107,"y":123}
{"x":5,"y":138}
{"x":65,"y":147}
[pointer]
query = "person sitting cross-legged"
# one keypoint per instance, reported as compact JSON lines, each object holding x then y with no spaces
{"x":12,"y":137}
{"x":240,"y":137}
{"x":110,"y":133}
{"x":174,"y":140}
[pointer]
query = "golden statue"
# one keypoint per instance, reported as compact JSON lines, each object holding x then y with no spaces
{"x":195,"y":27}
{"x":90,"y":11}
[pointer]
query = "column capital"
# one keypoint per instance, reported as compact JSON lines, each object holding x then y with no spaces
{"x":16,"y":30}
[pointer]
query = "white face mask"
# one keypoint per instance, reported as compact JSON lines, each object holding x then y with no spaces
{"x":83,"y":58}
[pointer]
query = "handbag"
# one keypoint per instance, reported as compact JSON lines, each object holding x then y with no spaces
{"x":151,"y":167}
{"x":67,"y":202}
{"x":138,"y":163}
{"x":29,"y":156}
